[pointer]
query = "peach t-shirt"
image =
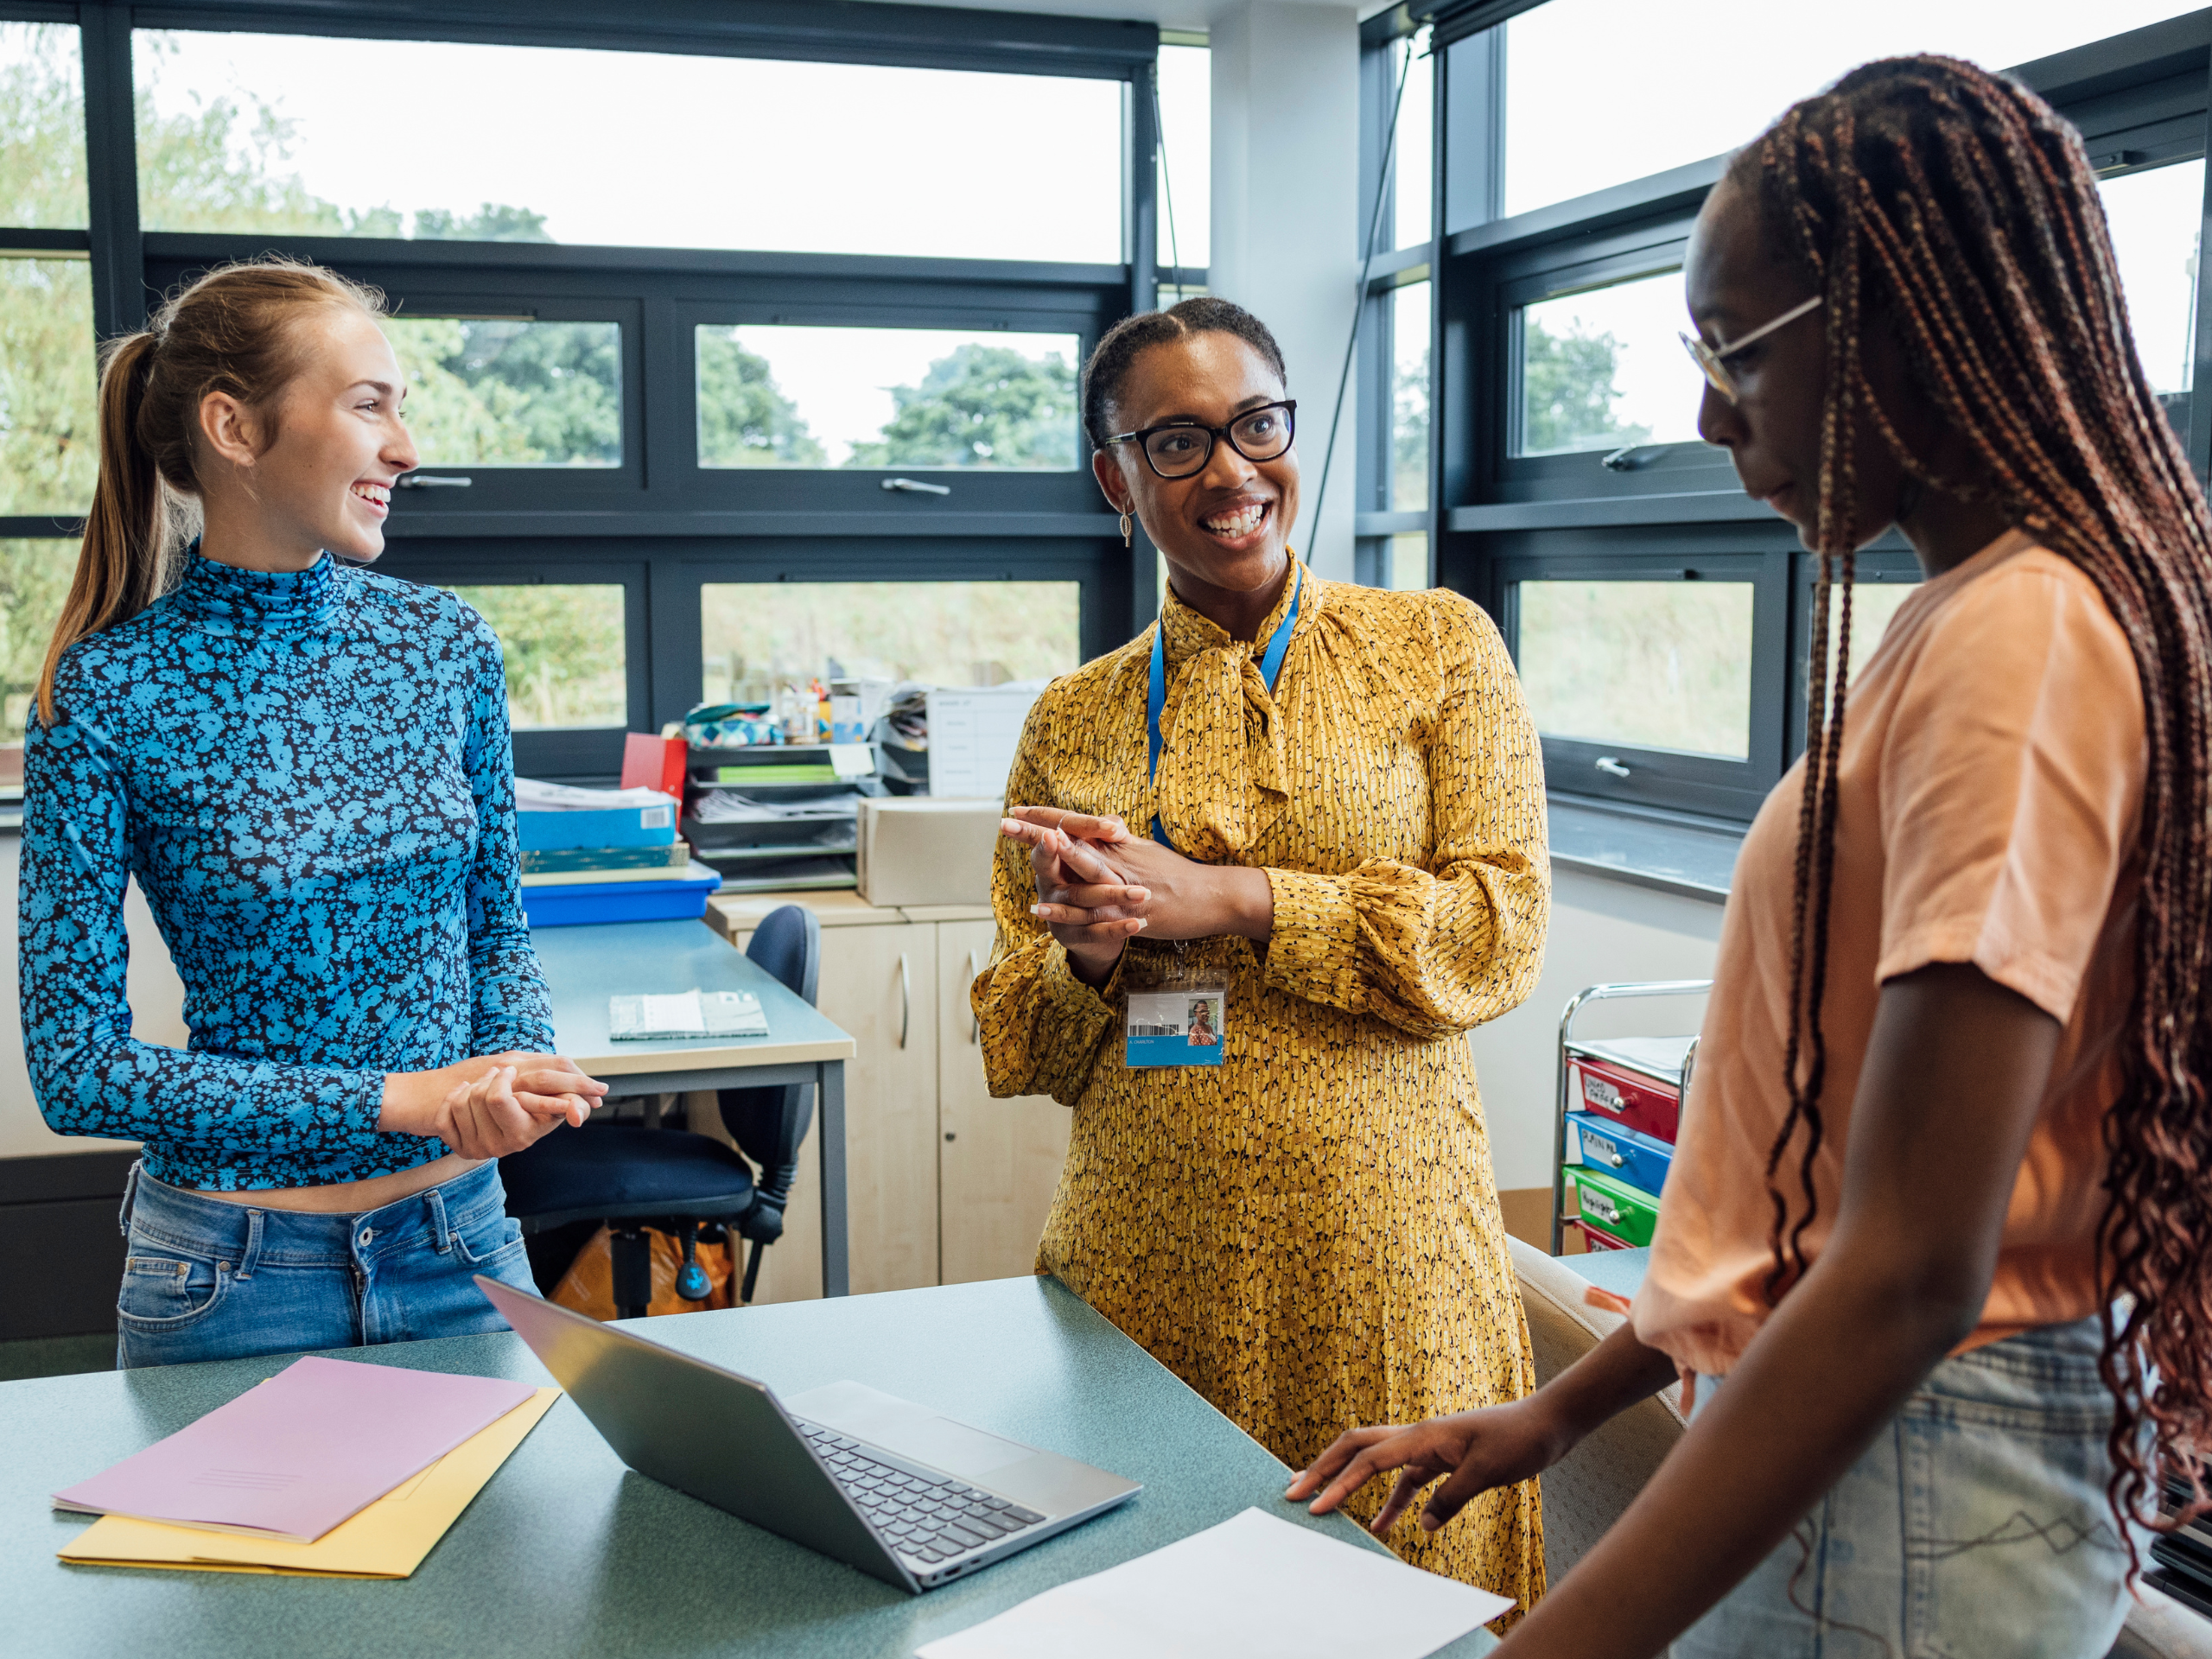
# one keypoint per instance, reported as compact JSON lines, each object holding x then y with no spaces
{"x":1992,"y":785}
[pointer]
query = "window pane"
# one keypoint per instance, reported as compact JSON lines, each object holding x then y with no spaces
{"x":564,"y":652}
{"x":756,"y":637}
{"x":771,"y":396}
{"x":1186,"y":141}
{"x":1413,"y":159}
{"x":1658,"y":85}
{"x":1409,"y":554}
{"x":1872,"y":605}
{"x":1646,"y":665}
{"x":1409,"y":398}
{"x":42,"y":126}
{"x":33,"y":581}
{"x":49,"y":445}
{"x":265,"y":132}
{"x":1603,"y":368}
{"x":512,"y":393}
{"x":2155,"y":218}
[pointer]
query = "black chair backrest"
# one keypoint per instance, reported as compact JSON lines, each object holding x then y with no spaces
{"x":769,"y":1123}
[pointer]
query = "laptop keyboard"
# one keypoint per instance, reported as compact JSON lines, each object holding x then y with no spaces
{"x":925,"y":1519}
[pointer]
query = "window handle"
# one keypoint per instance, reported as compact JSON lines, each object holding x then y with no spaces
{"x":1612,"y":768}
{"x":434,"y":481}
{"x":1632,"y":458}
{"x":906,"y":1000}
{"x":915,"y":487}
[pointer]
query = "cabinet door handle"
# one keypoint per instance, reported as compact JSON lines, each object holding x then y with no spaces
{"x":975,"y":1025}
{"x":906,"y":1000}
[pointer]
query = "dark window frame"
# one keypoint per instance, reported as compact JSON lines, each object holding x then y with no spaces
{"x":2142,"y":99}
{"x":659,"y":517}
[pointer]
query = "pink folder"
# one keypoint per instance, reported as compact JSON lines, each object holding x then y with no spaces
{"x":317,"y":1443}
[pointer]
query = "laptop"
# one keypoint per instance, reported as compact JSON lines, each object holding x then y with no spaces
{"x":901,"y":1491}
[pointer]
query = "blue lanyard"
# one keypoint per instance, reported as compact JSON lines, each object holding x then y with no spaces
{"x":1156,"y":704}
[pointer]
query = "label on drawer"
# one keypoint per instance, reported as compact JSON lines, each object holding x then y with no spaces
{"x":1598,"y":1204}
{"x":1597,"y":1149}
{"x":1599,"y":1093}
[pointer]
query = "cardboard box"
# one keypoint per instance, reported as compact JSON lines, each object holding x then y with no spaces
{"x":915,"y":850}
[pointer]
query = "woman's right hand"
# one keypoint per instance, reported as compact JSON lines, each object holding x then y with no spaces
{"x":1071,"y":875}
{"x":502,"y":1102}
{"x":1480,"y":1450}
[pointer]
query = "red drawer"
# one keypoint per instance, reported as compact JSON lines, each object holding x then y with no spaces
{"x":1597,"y":1238}
{"x":1626,"y":1096}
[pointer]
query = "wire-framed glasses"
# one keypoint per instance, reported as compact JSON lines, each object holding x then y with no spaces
{"x":1180,"y":449}
{"x":1713,"y":360}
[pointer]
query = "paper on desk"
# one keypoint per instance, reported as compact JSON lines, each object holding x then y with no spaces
{"x":1255,"y":1583}
{"x":388,"y":1540}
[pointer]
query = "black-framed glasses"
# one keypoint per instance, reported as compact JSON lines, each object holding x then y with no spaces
{"x":1182,"y":449}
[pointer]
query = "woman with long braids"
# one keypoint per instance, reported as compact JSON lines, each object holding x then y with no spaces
{"x":1931,"y":1257}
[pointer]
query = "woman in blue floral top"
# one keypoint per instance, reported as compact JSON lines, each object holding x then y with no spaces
{"x":307,"y":768}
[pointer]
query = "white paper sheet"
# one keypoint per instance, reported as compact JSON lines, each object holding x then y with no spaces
{"x":1255,"y":1583}
{"x":973,"y":735}
{"x":531,"y":795}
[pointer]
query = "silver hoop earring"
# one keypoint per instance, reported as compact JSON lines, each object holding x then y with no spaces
{"x":1127,"y":539}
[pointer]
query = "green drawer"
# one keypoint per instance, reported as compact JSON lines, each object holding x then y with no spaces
{"x":1625,"y":1212}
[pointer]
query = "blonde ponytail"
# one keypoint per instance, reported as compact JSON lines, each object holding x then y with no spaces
{"x":234,"y":331}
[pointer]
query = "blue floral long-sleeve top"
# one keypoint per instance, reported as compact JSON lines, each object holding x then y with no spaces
{"x":311,"y":777}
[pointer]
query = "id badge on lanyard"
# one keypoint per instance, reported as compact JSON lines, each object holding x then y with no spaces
{"x":1180,"y":1017}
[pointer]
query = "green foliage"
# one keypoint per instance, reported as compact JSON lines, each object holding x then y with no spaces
{"x":494,"y":222}
{"x":489,"y":391}
{"x":33,"y":581}
{"x":744,"y":419}
{"x":50,"y":443}
{"x":41,"y":127}
{"x":1410,"y":437}
{"x":1567,"y":393}
{"x":981,"y":406}
{"x":563,"y":648}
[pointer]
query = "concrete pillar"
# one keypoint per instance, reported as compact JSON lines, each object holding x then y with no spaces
{"x":1286,"y":230}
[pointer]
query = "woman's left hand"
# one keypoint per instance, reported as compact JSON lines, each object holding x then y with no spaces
{"x":1188,"y":900}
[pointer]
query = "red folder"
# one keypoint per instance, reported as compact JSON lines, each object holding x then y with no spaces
{"x":651,"y":762}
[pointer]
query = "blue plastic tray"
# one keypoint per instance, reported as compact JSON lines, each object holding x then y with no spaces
{"x":1643,"y":1159}
{"x":685,"y":899}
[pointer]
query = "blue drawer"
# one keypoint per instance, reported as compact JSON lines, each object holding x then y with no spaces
{"x":1627,"y":1154}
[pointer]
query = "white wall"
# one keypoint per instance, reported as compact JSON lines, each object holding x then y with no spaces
{"x":1285,"y":220}
{"x":1602,"y":929}
{"x":156,"y":997}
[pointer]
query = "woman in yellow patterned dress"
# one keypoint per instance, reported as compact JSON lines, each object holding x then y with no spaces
{"x":1307,"y":1232}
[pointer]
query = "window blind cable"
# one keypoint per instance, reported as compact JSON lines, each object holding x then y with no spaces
{"x":1167,"y":187}
{"x":1359,"y":302}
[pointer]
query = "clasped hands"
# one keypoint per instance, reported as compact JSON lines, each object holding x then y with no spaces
{"x":492,"y":1104}
{"x":1098,"y":886}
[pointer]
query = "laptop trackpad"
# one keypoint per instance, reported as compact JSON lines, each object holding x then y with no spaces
{"x":913,"y":1431}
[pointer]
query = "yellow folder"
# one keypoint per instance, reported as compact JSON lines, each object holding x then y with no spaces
{"x":388,"y":1540}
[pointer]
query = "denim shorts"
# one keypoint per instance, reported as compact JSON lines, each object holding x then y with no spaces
{"x":206,"y":1278}
{"x":1975,"y":1525}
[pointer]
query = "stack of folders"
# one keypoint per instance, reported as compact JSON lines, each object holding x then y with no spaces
{"x":605,"y":856}
{"x":329,"y":1468}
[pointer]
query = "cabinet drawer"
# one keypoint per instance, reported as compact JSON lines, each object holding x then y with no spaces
{"x":1613,"y":1148}
{"x":1642,"y":1103}
{"x":1625,"y":1212}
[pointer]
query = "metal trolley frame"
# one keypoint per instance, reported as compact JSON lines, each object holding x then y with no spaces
{"x":1599,"y":994}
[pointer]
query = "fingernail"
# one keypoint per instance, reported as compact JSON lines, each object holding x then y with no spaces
{"x":1429,"y":1523}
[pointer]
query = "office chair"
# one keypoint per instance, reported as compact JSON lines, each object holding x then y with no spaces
{"x":629,"y":1176}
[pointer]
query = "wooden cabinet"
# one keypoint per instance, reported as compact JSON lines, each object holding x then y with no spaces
{"x":944,"y":1185}
{"x":998,"y":1161}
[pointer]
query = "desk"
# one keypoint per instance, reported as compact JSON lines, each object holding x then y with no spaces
{"x":567,"y":1554}
{"x":584,"y":966}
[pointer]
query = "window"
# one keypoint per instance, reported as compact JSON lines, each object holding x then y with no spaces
{"x":41,"y":127}
{"x":1649,"y":664}
{"x":1692,"y":82}
{"x":1408,"y":552}
{"x":1603,"y":369}
{"x":1411,"y":159}
{"x":563,"y":645}
{"x":533,"y":144}
{"x":1409,"y":398}
{"x":33,"y":581}
{"x":771,"y":396}
{"x":49,"y":449}
{"x":756,"y":638}
{"x":2157,"y":217}
{"x":512,"y":392}
{"x":1187,"y":154}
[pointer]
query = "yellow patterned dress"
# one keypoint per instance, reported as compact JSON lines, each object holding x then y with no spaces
{"x":1309,"y":1235}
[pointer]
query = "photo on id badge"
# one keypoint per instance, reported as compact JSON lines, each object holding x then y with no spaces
{"x":1180,"y":1025}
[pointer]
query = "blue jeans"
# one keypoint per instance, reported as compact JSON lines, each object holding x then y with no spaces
{"x":1975,"y":1525}
{"x":205,"y":1279}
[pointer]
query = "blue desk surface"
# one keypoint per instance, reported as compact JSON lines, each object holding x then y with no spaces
{"x":1618,"y":1271}
{"x":584,"y":966}
{"x":566,"y":1552}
